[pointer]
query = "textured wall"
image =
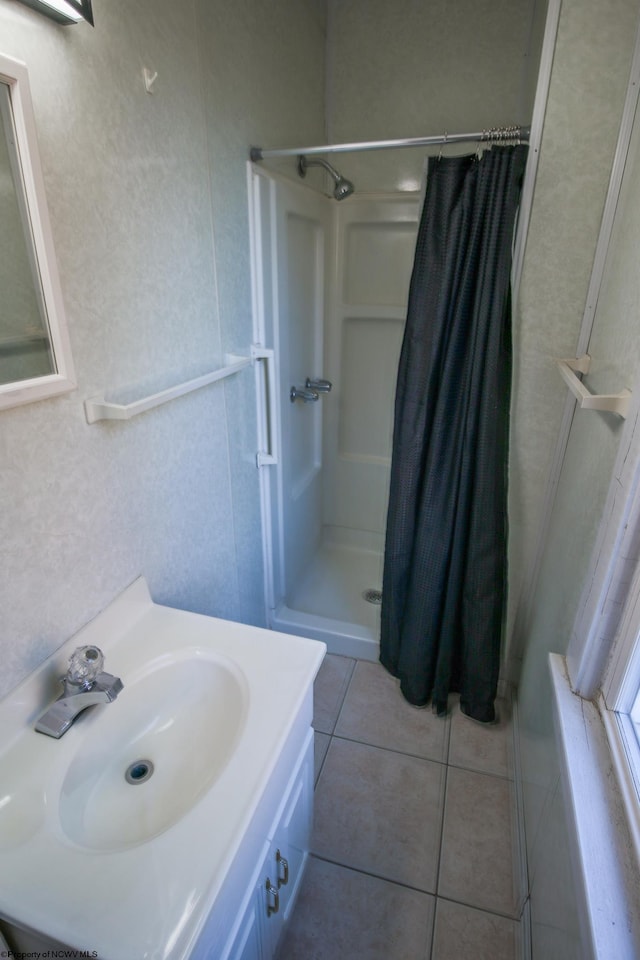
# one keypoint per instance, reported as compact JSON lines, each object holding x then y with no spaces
{"x":588,"y":85}
{"x":147,"y":197}
{"x":582,"y":490}
{"x":409,"y":68}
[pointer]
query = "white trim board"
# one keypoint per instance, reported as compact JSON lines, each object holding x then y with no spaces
{"x":605,"y":868}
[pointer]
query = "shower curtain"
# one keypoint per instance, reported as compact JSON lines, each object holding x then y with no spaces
{"x":444,"y":581}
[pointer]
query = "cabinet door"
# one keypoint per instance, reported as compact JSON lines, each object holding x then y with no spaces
{"x":294,"y":835}
{"x":275,"y":882}
{"x":248,"y":942}
{"x":272,"y":910}
{"x":247,"y":939}
{"x":287,"y":856}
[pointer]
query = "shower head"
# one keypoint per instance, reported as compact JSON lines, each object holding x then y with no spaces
{"x":342,"y":187}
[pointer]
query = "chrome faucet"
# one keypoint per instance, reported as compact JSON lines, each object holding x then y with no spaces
{"x":85,"y":684}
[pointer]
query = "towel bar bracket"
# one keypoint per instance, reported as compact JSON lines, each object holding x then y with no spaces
{"x":568,"y":367}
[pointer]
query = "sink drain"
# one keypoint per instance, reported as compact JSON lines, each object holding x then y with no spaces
{"x":373,"y":596}
{"x":139,"y":771}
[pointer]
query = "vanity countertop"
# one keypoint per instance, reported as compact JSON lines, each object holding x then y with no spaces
{"x":150,"y":899}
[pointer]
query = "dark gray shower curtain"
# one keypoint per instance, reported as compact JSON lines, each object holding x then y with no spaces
{"x":444,"y":582}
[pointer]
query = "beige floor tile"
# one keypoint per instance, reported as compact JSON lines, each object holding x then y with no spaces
{"x":381,"y":812}
{"x":320,"y":746}
{"x":329,"y":690}
{"x":485,"y":748}
{"x":345,"y":915}
{"x":463,"y":933}
{"x":375,"y":712}
{"x":476,"y":865}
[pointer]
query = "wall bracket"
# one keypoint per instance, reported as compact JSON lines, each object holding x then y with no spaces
{"x":611,"y":402}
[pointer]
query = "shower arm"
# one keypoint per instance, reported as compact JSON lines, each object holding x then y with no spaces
{"x":342,"y":187}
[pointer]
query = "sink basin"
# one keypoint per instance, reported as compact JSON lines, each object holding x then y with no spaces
{"x":166,"y":744}
{"x":200,"y":726}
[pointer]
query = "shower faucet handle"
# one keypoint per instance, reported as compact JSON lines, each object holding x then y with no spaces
{"x":300,"y":393}
{"x":322,"y":386}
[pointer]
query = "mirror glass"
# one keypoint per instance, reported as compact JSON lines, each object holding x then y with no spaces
{"x":35,"y":358}
{"x":25,"y":346}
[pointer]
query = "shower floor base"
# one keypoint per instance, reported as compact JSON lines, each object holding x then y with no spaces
{"x":328,"y":603}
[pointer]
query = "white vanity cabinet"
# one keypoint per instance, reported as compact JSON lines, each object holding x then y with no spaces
{"x":286,"y":858}
{"x":261,"y":896}
{"x":277,"y":879}
{"x":244,"y":924}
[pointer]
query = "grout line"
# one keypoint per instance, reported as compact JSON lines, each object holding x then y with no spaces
{"x":482,"y":773}
{"x":346,"y":684}
{"x":521,"y":874}
{"x":525,"y":932}
{"x":408,"y":886}
{"x":349,"y":680}
{"x":439,"y":863}
{"x":401,"y":753}
{"x":375,"y":876}
{"x":445,"y":790}
{"x":473,"y":906}
{"x":342,"y":693}
{"x":510,"y":778}
{"x":324,"y":759}
{"x":448,"y":735}
{"x":418,"y":756}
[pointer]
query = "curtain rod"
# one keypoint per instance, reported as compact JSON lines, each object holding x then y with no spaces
{"x":495,"y":135}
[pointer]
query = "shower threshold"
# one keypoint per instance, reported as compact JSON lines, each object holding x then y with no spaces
{"x":341,"y":637}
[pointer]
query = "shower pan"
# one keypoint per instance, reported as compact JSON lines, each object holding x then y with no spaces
{"x":331,"y":282}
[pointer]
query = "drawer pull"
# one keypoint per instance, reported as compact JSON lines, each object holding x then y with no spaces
{"x":273,"y":892}
{"x":283,"y":878}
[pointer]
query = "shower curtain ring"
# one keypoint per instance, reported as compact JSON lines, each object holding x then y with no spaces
{"x":443,"y":145}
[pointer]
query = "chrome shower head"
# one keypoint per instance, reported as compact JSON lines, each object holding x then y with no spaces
{"x":342,"y":187}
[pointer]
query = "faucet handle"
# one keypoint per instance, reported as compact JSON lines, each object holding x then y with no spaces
{"x":85,"y":663}
{"x":322,"y":386}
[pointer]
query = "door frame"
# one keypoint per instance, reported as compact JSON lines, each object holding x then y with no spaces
{"x":262,"y":191}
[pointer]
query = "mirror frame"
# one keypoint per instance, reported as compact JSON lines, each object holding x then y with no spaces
{"x":14,"y":74}
{"x":81,"y":7}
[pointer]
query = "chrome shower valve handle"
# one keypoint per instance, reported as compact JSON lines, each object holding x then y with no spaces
{"x":322,"y":386}
{"x":302,"y":393}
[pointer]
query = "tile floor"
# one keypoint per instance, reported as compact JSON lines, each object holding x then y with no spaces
{"x":414,"y":848}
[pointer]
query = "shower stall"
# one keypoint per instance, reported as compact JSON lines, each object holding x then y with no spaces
{"x":331,"y":282}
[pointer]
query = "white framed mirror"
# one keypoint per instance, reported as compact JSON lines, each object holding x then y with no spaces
{"x":35,"y":355}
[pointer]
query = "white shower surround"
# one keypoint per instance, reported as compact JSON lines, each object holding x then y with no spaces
{"x":331,"y":283}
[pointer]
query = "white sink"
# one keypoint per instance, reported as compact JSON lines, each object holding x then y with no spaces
{"x":131,"y":870}
{"x":173,"y":732}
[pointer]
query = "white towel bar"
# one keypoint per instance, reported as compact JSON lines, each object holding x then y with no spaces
{"x":612,"y":402}
{"x":97,"y":408}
